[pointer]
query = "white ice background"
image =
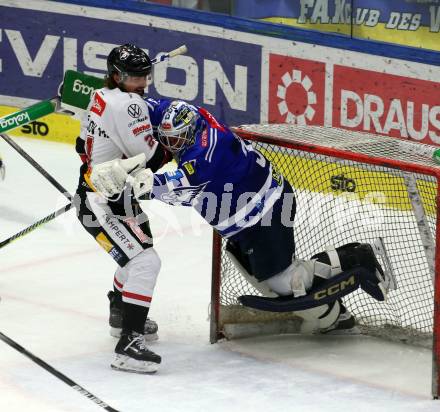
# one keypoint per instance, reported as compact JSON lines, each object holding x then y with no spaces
{"x":53,"y":285}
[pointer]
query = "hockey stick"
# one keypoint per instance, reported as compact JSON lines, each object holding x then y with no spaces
{"x":29,"y":114}
{"x":56,"y":373}
{"x":36,"y":166}
{"x":78,"y":87}
{"x":36,"y":225}
{"x":69,"y":98}
{"x":73,"y":98}
{"x":180,"y":50}
{"x":51,"y":180}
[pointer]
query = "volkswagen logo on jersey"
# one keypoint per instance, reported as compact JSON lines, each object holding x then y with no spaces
{"x":134,"y":110}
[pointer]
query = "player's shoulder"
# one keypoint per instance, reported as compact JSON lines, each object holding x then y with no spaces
{"x":157,"y":106}
{"x":117,"y":101}
{"x":204,"y":145}
{"x":212,"y":141}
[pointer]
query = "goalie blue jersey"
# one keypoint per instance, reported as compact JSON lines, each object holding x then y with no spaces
{"x":229,"y":183}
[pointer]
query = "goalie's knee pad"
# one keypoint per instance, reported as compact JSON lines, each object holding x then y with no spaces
{"x":301,"y":275}
{"x":305,"y":275}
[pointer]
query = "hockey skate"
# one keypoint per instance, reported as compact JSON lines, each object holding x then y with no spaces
{"x":115,"y":320}
{"x":132,"y":355}
{"x":378,"y":278}
{"x":383,"y":278}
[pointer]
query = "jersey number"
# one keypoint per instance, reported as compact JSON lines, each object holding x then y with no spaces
{"x":247,"y":148}
{"x":150,"y":140}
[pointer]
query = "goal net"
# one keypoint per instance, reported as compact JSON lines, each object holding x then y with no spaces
{"x":349,"y":187}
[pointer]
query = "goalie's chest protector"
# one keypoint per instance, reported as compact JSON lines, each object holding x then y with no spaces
{"x":117,"y":125}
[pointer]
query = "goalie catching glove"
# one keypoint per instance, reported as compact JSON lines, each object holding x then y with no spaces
{"x":110,"y":178}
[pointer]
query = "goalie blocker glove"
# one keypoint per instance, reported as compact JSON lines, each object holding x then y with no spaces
{"x":360,"y":268}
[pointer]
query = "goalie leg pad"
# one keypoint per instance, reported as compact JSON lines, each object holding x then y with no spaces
{"x":360,"y":268}
{"x":317,"y":318}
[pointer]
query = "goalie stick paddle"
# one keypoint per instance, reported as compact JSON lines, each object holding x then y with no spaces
{"x":56,"y":373}
{"x":334,"y":288}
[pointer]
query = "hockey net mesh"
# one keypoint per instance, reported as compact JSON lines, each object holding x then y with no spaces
{"x":341,"y":201}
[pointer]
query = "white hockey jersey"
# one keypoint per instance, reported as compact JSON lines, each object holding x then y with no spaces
{"x":117,"y":124}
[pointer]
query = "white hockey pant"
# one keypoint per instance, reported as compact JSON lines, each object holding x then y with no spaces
{"x":137,"y":279}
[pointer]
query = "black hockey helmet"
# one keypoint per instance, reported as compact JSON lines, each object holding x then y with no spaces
{"x":128,"y":60}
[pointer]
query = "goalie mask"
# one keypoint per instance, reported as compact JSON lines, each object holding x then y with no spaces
{"x":179,"y":125}
{"x":128,"y":61}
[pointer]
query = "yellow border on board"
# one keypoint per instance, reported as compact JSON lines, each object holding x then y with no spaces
{"x":422,"y":37}
{"x":356,"y":183}
{"x":54,"y":127}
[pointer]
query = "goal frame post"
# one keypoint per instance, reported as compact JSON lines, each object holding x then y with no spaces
{"x":351,"y":155}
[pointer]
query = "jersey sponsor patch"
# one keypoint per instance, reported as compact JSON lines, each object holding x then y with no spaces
{"x":204,"y":138}
{"x":96,"y":130}
{"x":134,"y":110}
{"x":140,"y":234}
{"x":104,"y":242}
{"x":116,"y":255}
{"x":189,"y":167}
{"x":98,"y":105}
{"x":140,"y":129}
{"x":138,"y":120}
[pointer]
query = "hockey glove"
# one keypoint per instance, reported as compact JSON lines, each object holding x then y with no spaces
{"x":109,"y":178}
{"x":142,"y":182}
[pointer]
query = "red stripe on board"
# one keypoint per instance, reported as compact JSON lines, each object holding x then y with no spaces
{"x":136,"y":296}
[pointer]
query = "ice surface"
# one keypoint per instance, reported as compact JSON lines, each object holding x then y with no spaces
{"x":53,"y":285}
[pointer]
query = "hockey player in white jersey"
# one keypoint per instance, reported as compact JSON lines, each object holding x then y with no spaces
{"x":120,"y":123}
{"x":239,"y":192}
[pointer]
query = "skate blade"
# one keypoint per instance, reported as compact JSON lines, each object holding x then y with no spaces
{"x":116,"y":333}
{"x":338,"y":332}
{"x":127,"y":364}
{"x":390,"y":277}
